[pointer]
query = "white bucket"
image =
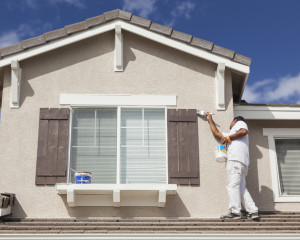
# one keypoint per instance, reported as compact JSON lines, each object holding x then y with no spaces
{"x":221,"y":153}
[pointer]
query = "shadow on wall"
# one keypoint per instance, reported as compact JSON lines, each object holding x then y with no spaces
{"x":17,"y":209}
{"x":262,"y":195}
{"x":174,"y":208}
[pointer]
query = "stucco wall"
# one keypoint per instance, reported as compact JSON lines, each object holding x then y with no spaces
{"x":87,"y":67}
{"x":259,"y":180}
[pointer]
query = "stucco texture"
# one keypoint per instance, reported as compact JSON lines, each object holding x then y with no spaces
{"x":149,"y":68}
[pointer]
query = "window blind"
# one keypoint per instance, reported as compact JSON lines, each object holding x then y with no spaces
{"x":143,"y":145}
{"x":288,"y":157}
{"x":94,"y":144}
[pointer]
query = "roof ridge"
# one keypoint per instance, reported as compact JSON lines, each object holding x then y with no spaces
{"x":136,"y":20}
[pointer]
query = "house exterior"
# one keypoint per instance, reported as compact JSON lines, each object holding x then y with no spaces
{"x":117,"y":95}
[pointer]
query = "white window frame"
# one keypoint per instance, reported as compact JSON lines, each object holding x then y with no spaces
{"x":118,"y":135}
{"x":279,"y":133}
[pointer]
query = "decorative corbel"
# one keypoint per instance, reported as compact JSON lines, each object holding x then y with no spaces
{"x":118,"y":49}
{"x":220,"y":86}
{"x":16,"y":73}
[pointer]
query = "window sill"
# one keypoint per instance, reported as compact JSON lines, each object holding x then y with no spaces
{"x":287,"y":199}
{"x":116,"y":194}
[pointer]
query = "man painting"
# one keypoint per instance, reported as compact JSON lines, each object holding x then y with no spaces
{"x":237,"y":167}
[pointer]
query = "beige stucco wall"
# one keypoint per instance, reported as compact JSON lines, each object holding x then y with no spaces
{"x":87,"y":67}
{"x":259,"y":175}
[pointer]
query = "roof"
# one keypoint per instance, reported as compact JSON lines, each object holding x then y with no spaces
{"x":270,"y":222}
{"x":129,"y":17}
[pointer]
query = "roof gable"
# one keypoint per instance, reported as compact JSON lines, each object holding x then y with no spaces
{"x":102,"y":20}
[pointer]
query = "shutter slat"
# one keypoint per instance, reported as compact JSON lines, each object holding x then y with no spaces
{"x":172,"y":147}
{"x":183,"y":146}
{"x":62,"y":149}
{"x":193,"y":147}
{"x":42,"y":167}
{"x":52,"y":146}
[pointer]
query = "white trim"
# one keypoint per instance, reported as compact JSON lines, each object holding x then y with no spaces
{"x":110,"y":194}
{"x":273,"y":133}
{"x":267,"y":112}
{"x":155,"y":236}
{"x":167,"y":150}
{"x":131,"y":28}
{"x":118,"y":145}
{"x":117,"y":99}
{"x":220,"y":86}
{"x":118,"y":66}
{"x":16,"y":75}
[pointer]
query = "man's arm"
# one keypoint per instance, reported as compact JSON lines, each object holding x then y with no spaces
{"x":213,"y":127}
{"x":239,"y":134}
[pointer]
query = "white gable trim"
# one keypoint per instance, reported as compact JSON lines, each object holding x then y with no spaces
{"x":267,"y":112}
{"x":131,"y":28}
{"x":117,"y":100}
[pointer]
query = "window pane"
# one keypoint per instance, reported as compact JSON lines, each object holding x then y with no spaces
{"x":143,"y":146}
{"x":288,"y":157}
{"x":94,"y":144}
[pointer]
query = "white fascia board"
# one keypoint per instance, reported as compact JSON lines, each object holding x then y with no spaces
{"x":131,"y":28}
{"x":154,"y":236}
{"x":117,"y":100}
{"x":267,"y":112}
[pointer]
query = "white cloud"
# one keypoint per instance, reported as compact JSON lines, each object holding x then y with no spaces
{"x":273,"y":91}
{"x":9,"y":38}
{"x":182,"y":9}
{"x":24,"y":31}
{"x":32,"y":4}
{"x":75,"y":3}
{"x":143,"y":8}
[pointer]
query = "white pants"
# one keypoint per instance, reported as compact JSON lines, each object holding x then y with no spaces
{"x":236,"y":188}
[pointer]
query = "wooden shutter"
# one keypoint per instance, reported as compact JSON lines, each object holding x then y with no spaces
{"x":183,"y":146}
{"x":53,"y":142}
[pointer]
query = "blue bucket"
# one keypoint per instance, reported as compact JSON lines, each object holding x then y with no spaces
{"x":83,"y":178}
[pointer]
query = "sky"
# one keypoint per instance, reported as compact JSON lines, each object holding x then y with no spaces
{"x":268,"y":31}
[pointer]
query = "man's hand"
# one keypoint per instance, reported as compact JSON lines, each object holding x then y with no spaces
{"x":224,"y":141}
{"x":208,"y":116}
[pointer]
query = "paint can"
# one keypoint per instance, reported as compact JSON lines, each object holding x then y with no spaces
{"x":83,"y":178}
{"x":221,"y":153}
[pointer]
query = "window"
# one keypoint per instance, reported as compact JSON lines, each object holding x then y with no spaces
{"x":119,"y":145}
{"x":288,"y":160}
{"x":284,"y":150}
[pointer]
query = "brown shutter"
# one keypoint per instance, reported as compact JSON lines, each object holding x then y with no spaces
{"x":183,"y":146}
{"x":53,"y":142}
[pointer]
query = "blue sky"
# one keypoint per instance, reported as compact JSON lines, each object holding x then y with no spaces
{"x":268,"y":31}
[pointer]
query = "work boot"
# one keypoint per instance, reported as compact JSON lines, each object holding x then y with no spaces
{"x":253,"y":216}
{"x":231,"y":215}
